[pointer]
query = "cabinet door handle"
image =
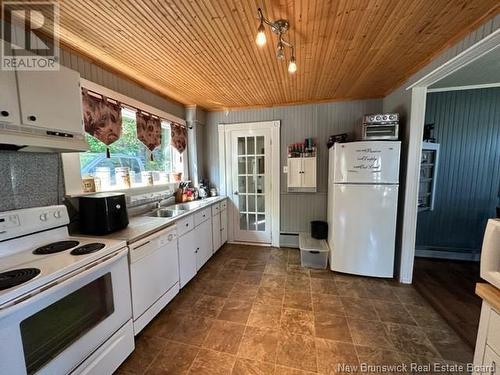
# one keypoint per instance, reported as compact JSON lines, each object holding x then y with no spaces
{"x":32,"y":118}
{"x":5,"y":113}
{"x":187,"y":224}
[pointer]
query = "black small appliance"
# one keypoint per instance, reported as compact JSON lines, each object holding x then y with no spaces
{"x":102,"y":213}
{"x":319,"y":229}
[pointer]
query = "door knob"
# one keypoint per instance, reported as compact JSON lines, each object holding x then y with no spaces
{"x":235,"y":193}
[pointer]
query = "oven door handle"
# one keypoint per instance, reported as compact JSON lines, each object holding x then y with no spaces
{"x":56,"y":285}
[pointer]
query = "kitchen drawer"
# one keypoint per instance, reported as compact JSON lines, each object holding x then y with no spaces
{"x":215,"y":209}
{"x":493,"y":336}
{"x":201,"y":216}
{"x":185,"y":225}
{"x":223,"y":205}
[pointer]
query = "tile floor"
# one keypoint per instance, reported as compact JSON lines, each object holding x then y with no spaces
{"x":255,"y":310}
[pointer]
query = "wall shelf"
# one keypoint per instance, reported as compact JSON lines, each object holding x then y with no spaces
{"x":428,"y":176}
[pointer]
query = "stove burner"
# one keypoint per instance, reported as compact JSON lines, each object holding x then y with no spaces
{"x":87,"y":249}
{"x":55,"y":247}
{"x":15,"y":277}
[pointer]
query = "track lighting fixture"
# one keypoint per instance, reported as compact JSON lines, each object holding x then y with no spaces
{"x":279,"y":27}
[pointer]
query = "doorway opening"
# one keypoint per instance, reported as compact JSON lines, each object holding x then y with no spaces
{"x":458,"y":190}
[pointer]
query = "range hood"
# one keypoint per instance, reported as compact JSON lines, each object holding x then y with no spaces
{"x":28,"y":139}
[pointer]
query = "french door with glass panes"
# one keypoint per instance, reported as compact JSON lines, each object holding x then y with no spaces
{"x":251,"y":183}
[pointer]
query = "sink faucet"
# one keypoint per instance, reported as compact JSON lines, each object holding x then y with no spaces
{"x":160,"y":201}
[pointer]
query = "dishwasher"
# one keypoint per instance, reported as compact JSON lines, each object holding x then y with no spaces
{"x":154,"y":275}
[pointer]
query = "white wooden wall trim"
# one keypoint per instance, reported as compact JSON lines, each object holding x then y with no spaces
{"x":126,"y":100}
{"x":417,"y":120}
{"x":416,"y":124}
{"x":225,"y":170}
{"x":468,"y":87}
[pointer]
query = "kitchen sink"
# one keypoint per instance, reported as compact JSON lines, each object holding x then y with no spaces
{"x":187,"y":206}
{"x":165,"y":212}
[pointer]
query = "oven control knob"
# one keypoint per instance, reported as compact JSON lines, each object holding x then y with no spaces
{"x":43,"y":217}
{"x":57,"y":214}
{"x":378,"y":118}
{"x":385,"y":118}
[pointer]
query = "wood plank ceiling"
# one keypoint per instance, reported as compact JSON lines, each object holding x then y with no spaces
{"x":204,"y":52}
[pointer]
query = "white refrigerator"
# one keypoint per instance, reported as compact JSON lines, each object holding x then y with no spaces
{"x":362,"y":206}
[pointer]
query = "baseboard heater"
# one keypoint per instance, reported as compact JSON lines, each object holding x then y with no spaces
{"x":448,"y":253}
{"x":289,"y":239}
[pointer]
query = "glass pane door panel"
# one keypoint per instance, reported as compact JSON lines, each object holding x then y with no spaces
{"x":251,"y":180}
{"x":243,"y":203}
{"x":260,"y":204}
{"x":260,"y":184}
{"x":242,"y":150}
{"x":242,"y":165}
{"x":260,"y":146}
{"x":49,"y":331}
{"x":261,"y":223}
{"x":242,"y":186}
{"x":243,"y":221}
{"x":250,"y":145}
{"x":251,"y":203}
{"x":251,"y":184}
{"x":260,"y":165}
{"x":252,"y":222}
{"x":251,"y":165}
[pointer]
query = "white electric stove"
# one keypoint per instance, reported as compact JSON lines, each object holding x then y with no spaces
{"x":65,"y":302}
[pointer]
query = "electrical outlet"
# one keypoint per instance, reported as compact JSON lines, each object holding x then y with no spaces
{"x":285,"y":169}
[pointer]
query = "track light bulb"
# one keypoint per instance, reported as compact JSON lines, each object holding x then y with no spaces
{"x":292,"y":66}
{"x":261,"y":36}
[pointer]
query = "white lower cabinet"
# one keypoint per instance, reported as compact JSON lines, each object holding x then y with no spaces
{"x":187,"y":257}
{"x":487,"y":351}
{"x":223,"y":227}
{"x":203,"y":239}
{"x":216,"y":232}
{"x":195,"y":245}
{"x":219,"y":225}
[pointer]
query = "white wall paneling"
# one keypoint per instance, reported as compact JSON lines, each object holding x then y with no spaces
{"x":297,"y":122}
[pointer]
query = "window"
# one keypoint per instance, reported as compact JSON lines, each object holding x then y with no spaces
{"x":130,"y":152}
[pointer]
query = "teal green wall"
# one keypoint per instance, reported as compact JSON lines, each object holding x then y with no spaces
{"x":467,"y":126}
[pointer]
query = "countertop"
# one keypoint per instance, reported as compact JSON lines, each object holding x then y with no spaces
{"x":141,"y":226}
{"x":489,"y":294}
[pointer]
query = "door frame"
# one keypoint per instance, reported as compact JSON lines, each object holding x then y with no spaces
{"x":419,"y":91}
{"x":225,"y":167}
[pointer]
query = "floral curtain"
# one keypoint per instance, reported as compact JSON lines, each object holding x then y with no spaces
{"x":148,"y":131}
{"x":178,"y":136}
{"x":102,"y":118}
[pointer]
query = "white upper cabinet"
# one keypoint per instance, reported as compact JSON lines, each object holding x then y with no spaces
{"x":9,"y":103}
{"x":51,"y":100}
{"x":309,"y":172}
{"x":302,"y":174}
{"x":294,"y":172}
